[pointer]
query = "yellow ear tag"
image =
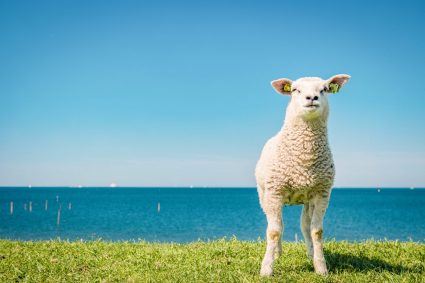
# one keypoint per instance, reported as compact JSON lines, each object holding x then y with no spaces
{"x":287,"y":88}
{"x":333,"y":87}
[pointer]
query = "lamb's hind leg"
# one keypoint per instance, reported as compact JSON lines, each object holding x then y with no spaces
{"x":316,"y":231}
{"x":305,"y":228}
{"x":273,"y":209}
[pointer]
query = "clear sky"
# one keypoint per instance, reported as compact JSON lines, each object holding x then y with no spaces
{"x":177,"y":93}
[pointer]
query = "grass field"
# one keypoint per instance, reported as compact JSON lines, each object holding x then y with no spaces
{"x":216,"y":261}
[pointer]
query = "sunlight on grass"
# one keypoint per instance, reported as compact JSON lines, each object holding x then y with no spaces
{"x":215,"y":261}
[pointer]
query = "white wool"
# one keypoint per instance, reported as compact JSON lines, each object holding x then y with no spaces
{"x":296,"y":167}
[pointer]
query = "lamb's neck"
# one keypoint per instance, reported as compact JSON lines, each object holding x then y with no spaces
{"x":305,"y":141}
{"x":310,"y":128}
{"x":310,"y":134}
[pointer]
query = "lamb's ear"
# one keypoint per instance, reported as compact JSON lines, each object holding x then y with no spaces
{"x":282,"y":86}
{"x":335,"y":83}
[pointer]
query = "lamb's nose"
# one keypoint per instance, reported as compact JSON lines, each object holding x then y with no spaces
{"x":312,"y":98}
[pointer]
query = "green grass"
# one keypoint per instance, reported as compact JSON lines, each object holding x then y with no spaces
{"x":216,"y":261}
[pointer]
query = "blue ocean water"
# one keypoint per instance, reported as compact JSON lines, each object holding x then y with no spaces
{"x":184,"y":214}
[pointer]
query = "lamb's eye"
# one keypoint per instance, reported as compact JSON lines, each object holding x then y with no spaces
{"x":322,"y":91}
{"x":295,"y":90}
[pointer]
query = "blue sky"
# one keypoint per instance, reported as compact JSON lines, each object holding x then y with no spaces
{"x":177,"y":93}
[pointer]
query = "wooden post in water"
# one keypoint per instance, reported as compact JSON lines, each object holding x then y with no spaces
{"x":30,"y":206}
{"x":69,"y":206}
{"x":159,"y":207}
{"x":25,"y":206}
{"x":46,"y":203}
{"x":11,"y":207}
{"x":58,"y":220}
{"x":57,"y":198}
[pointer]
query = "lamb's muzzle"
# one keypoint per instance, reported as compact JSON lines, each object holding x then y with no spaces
{"x":296,"y":167}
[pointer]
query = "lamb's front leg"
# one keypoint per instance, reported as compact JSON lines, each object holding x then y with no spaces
{"x":316,"y":230}
{"x":274,"y":233}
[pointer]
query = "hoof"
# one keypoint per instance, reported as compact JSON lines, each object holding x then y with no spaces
{"x":322,"y":272}
{"x":266,"y":271}
{"x":320,"y":267}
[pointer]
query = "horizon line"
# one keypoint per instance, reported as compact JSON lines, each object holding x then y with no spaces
{"x":200,"y":187}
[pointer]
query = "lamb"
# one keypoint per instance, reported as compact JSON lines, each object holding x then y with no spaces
{"x":296,"y":167}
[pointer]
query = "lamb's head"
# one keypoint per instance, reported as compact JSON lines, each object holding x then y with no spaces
{"x":309,"y":99}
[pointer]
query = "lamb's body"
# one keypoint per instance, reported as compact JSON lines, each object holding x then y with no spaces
{"x":296,"y":167}
{"x":297,"y":162}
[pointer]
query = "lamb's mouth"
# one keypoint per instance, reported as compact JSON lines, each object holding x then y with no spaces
{"x":312,"y":106}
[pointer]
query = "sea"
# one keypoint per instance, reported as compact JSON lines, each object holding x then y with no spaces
{"x":184,"y":215}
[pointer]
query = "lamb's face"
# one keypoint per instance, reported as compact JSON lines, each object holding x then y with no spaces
{"x":309,"y":96}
